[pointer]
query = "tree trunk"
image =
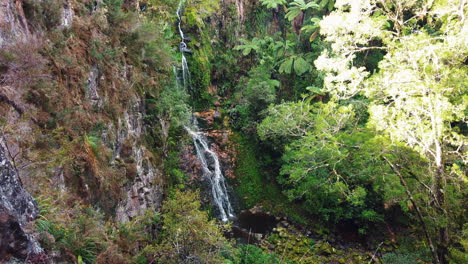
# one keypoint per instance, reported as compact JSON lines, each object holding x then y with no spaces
{"x":435,"y":255}
{"x":443,"y":239}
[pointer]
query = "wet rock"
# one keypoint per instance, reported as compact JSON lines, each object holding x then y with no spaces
{"x":217,"y":115}
{"x":207,"y":116}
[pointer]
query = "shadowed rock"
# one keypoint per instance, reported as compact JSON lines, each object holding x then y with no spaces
{"x":17,"y":208}
{"x":13,"y":197}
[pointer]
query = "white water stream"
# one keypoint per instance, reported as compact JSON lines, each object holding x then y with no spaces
{"x":212,"y":170}
{"x":208,"y":158}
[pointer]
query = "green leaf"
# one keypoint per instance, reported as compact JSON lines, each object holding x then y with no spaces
{"x":286,"y":66}
{"x":293,"y":13}
{"x":313,"y":36}
{"x":331,"y":4}
{"x":273,"y":83}
{"x":311,"y":5}
{"x":272,"y":3}
{"x":315,"y":20}
{"x":301,"y":66}
{"x":298,"y":6}
{"x":315,"y":90}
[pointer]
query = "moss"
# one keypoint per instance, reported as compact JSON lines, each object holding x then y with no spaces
{"x":254,"y":186}
{"x":200,"y":70}
{"x":298,"y":248}
{"x":248,"y":175}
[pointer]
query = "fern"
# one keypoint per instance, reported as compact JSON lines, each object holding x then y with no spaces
{"x":298,"y":6}
{"x":309,"y":28}
{"x":272,"y":3}
{"x":296,"y":63}
{"x":328,"y":4}
{"x":248,"y":46}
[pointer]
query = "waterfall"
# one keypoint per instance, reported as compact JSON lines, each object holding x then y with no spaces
{"x":183,"y":47}
{"x":208,"y":158}
{"x":212,"y":170}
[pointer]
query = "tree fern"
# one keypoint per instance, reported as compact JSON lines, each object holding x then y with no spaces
{"x":296,"y":63}
{"x":272,"y":3}
{"x":298,"y":6}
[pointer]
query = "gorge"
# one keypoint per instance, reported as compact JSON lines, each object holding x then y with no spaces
{"x":234,"y":131}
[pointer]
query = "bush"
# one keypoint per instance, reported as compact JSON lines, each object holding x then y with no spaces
{"x":21,"y":64}
{"x":83,"y":236}
{"x":43,"y":14}
{"x":187,"y":234}
{"x":399,"y":258}
{"x":251,"y":254}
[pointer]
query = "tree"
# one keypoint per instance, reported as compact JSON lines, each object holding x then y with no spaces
{"x":418,"y":93}
{"x":273,"y":3}
{"x":286,"y":122}
{"x":289,"y":121}
{"x":188,"y":235}
{"x":299,"y":6}
{"x":328,"y":162}
{"x":418,"y":103}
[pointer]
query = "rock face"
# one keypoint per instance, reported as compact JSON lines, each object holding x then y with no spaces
{"x":13,"y":24}
{"x":13,"y":240}
{"x":92,"y":87}
{"x":146,"y":190}
{"x":67,"y":14}
{"x":17,"y":208}
{"x":211,"y":120}
{"x":13,"y":197}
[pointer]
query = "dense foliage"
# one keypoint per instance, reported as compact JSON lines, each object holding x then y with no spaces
{"x":340,"y":115}
{"x":384,"y":129}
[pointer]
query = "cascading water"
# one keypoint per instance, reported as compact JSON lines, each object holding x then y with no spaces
{"x":183,"y":47}
{"x":208,"y":158}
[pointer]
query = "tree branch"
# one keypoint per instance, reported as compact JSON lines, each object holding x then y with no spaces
{"x":418,"y":211}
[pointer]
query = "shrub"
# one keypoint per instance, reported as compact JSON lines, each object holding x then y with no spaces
{"x":81,"y":236}
{"x":43,"y":14}
{"x":21,"y":65}
{"x":251,"y":254}
{"x":400,"y":258}
{"x":187,"y":234}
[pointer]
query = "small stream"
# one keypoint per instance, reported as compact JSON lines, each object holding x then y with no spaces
{"x":208,"y":158}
